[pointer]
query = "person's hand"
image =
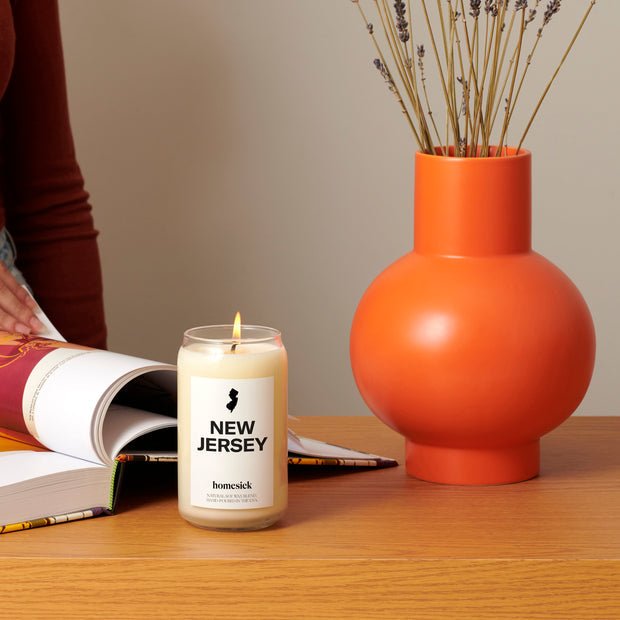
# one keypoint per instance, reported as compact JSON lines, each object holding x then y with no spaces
{"x":17,"y":308}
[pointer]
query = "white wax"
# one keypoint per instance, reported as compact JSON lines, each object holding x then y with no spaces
{"x":251,"y":360}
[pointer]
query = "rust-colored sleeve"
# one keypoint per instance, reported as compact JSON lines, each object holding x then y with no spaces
{"x":47,"y":209}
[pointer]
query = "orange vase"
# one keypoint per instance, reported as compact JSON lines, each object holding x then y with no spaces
{"x":472,"y":346}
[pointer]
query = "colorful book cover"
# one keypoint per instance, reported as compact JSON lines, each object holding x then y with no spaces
{"x":19,"y":356}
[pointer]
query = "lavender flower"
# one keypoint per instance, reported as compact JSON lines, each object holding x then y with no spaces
{"x":552,"y":8}
{"x":490,"y":6}
{"x":385,"y":74}
{"x":474,"y":6}
{"x":420,"y":51}
{"x":401,"y":22}
{"x":465,"y":85}
{"x":532,"y":13}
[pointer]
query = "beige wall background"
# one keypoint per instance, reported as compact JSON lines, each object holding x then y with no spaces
{"x":245,"y":155}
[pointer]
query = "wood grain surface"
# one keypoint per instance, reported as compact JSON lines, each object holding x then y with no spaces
{"x":365,"y":544}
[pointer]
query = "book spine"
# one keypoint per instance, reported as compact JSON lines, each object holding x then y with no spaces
{"x":146,"y":458}
{"x":54,"y":520}
{"x":115,"y":484}
{"x":340,"y":462}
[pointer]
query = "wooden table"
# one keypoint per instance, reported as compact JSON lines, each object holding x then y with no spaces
{"x":367,"y":544}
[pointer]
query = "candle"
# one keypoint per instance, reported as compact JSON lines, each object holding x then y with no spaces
{"x":232,"y":414}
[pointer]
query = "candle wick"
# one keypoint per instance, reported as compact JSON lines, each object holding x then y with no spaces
{"x":233,"y":348}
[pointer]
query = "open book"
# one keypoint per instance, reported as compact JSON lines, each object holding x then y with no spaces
{"x":70,"y":417}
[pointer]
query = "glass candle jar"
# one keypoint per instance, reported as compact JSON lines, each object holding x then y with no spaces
{"x":232,"y":412}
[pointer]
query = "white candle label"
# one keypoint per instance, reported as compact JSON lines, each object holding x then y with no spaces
{"x":232,"y":443}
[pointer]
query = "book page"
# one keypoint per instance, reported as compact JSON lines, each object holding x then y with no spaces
{"x":124,"y":424}
{"x":305,"y":446}
{"x":36,"y":485}
{"x":67,"y":395}
{"x":22,"y":465}
{"x":49,"y":330}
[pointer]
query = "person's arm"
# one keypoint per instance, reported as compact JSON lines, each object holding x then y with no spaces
{"x":47,"y":209}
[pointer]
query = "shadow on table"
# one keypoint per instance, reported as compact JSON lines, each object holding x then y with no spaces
{"x":580,"y":458}
{"x":145,"y":484}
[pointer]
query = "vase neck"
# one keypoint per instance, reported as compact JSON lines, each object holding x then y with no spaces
{"x":473,"y":206}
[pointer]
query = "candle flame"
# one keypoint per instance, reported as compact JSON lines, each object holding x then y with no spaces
{"x":237,"y":327}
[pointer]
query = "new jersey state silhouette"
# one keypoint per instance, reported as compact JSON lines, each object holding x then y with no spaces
{"x":233,"y":400}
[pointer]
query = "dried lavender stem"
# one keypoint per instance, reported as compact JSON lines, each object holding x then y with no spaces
{"x":454,"y":38}
{"x":415,"y":82}
{"x":450,"y":112}
{"x":453,"y":80}
{"x":557,"y":71}
{"x":473,"y":70}
{"x":493,"y":75}
{"x":531,"y":16}
{"x":392,"y":39}
{"x":411,"y":47}
{"x":498,"y":62}
{"x":476,"y":38}
{"x":492,"y":93}
{"x":420,"y":55}
{"x":552,"y":8}
{"x":459,"y":48}
{"x":478,"y":115}
{"x":443,"y":32}
{"x":512,"y":85}
{"x":401,"y":64}
{"x":509,"y":72}
{"x":525,"y":71}
{"x":395,"y":91}
{"x":490,"y":31}
{"x":394,"y":47}
{"x":451,"y":89}
{"x":498,"y":100}
{"x":487,"y":47}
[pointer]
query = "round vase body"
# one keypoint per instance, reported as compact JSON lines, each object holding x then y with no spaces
{"x":472,"y":346}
